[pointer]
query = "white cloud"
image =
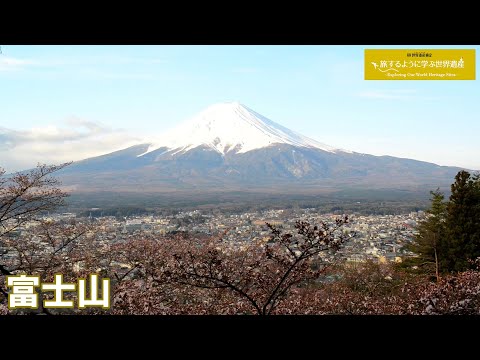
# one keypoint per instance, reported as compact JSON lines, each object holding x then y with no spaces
{"x":389,"y":94}
{"x":132,"y":67}
{"x":76,"y":140}
{"x":13,"y":64}
{"x":101,"y":60}
{"x":109,"y":75}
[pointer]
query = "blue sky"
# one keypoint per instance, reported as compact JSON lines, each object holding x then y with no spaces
{"x":61,"y":103}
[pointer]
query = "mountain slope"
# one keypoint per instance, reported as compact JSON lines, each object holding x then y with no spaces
{"x":231,"y":147}
{"x":232,"y":127}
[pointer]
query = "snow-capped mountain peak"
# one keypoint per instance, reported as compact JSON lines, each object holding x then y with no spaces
{"x":231,"y":126}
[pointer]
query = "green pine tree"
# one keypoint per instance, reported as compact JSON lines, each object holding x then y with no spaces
{"x":462,"y":243}
{"x":431,"y":233}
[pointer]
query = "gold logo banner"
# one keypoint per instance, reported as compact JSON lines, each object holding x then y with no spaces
{"x":428,"y":64}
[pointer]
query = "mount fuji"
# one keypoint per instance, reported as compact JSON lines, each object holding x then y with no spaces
{"x":230,"y":147}
{"x":232,"y":127}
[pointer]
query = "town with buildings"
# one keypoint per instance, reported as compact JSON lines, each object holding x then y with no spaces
{"x":374,"y":237}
